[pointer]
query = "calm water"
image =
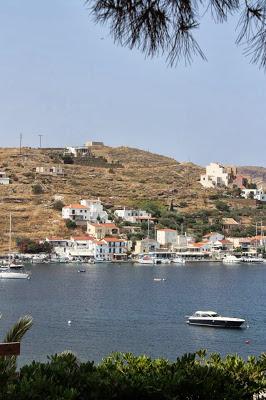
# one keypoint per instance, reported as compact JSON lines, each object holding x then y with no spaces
{"x":121,"y":308}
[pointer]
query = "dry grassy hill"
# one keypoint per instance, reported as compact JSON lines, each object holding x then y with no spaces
{"x":144,"y":175}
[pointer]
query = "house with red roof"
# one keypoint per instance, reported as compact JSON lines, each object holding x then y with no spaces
{"x":86,"y":210}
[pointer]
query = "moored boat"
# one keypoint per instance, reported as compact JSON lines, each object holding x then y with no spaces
{"x":231,"y":259}
{"x":212,"y":319}
{"x":251,"y":260}
{"x":14,"y":275}
{"x":178,"y":260}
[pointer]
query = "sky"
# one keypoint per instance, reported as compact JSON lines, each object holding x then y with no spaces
{"x":62,"y":76}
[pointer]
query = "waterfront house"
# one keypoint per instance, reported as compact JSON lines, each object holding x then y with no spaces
{"x":131,"y":215}
{"x":146,"y":245}
{"x":213,"y":237}
{"x":47,"y":170}
{"x":110,"y":249}
{"x":166,"y":236}
{"x":81,"y":246}
{"x":4,"y":180}
{"x":60,"y":245}
{"x":217,"y":176}
{"x":100,"y":230}
{"x":242,"y":243}
{"x":224,"y":245}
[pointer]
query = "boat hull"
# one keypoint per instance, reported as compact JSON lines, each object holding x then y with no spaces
{"x":14,"y":275}
{"x":216,"y":323}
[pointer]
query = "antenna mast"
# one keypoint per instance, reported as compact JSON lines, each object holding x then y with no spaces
{"x":40,"y":136}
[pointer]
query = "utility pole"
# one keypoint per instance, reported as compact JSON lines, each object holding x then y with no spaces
{"x":20,"y":142}
{"x":40,"y":136}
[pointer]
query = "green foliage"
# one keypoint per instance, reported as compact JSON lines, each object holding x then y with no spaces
{"x":26,"y":245}
{"x":251,"y":186}
{"x":58,"y":205}
{"x":183,"y":204}
{"x":37,"y":189}
{"x":8,"y":364}
{"x":68,"y":159}
{"x":154,"y":207}
{"x":240,"y":231}
{"x":251,"y":195}
{"x":222,"y":206}
{"x":128,"y":377}
{"x":70,"y":224}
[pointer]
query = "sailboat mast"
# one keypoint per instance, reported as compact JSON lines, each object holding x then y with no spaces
{"x":10,"y":237}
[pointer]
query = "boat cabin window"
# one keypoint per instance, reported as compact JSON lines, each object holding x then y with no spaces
{"x":206,"y":314}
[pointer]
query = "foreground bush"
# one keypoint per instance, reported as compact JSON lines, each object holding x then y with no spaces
{"x":124,"y":376}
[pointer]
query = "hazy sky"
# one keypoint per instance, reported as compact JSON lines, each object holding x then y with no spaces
{"x":62,"y":76}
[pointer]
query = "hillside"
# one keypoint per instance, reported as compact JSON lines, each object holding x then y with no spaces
{"x":257,"y":174}
{"x":143,"y":175}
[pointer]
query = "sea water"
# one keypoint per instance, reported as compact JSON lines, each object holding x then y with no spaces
{"x":120,"y":307}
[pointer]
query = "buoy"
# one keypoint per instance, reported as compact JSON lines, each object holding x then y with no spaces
{"x":69,"y":322}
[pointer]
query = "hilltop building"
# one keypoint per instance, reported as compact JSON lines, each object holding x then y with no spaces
{"x":4,"y":180}
{"x":94,"y":144}
{"x":79,"y":151}
{"x":218,"y":176}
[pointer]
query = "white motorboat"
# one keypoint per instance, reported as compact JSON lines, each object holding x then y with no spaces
{"x":251,"y":260}
{"x":14,"y":275}
{"x":211,"y":318}
{"x":15,"y":265}
{"x":178,"y":260}
{"x":231,"y":259}
{"x":146,"y":260}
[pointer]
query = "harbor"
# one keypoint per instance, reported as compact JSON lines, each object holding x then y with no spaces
{"x":130,"y":307}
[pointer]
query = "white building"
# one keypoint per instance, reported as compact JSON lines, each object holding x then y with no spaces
{"x":93,"y":143}
{"x":146,"y":245}
{"x":166,"y":236}
{"x":77,"y":151}
{"x":183,"y":241}
{"x":47,"y":170}
{"x":96,"y":211}
{"x":110,"y":249}
{"x":87,"y":210}
{"x":257,"y":194}
{"x":213,"y":237}
{"x":216,"y":176}
{"x":4,"y":180}
{"x":131,"y":215}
